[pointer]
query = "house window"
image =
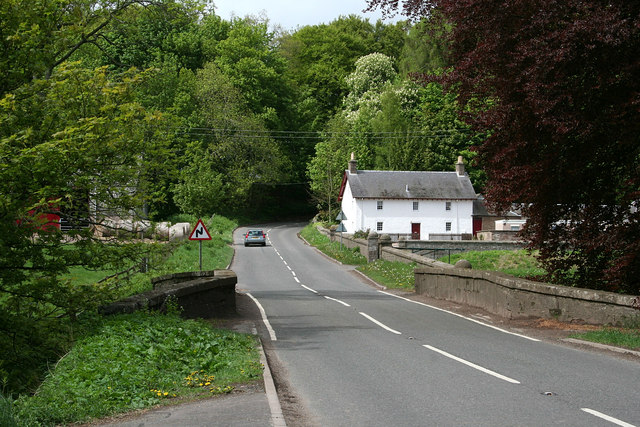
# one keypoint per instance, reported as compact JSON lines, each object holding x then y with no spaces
{"x":447,"y":206}
{"x":379,"y":226}
{"x":416,"y":205}
{"x":379,"y":205}
{"x":447,"y":226}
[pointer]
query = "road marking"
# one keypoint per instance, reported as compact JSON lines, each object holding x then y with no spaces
{"x":277,"y":418}
{"x":296,"y":279}
{"x":294,"y":273}
{"x":309,"y":289}
{"x":463,"y":317}
{"x":337,"y":300}
{"x":473,"y":365}
{"x":382,"y":325}
{"x":272,"y":333}
{"x":287,"y":266}
{"x":607,"y":417}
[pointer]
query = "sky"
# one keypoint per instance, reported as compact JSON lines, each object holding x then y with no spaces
{"x":293,"y":13}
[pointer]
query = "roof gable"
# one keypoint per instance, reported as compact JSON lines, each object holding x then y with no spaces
{"x":409,"y":185}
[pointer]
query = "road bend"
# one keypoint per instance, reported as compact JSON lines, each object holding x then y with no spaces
{"x":359,"y":356}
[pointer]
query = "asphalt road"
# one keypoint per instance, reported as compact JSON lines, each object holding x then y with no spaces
{"x":354,"y":355}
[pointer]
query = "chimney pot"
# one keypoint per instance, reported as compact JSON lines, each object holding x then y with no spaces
{"x":353,"y":164}
{"x":460,"y":166}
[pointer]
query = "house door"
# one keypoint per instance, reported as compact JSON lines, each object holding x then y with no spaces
{"x":415,"y":231}
{"x":477,"y":225}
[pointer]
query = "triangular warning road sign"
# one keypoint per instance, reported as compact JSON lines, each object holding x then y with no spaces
{"x":200,"y":232}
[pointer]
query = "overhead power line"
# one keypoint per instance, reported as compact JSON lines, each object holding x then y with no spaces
{"x":284,"y":135}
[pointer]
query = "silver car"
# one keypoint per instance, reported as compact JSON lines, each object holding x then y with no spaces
{"x":255,"y":237}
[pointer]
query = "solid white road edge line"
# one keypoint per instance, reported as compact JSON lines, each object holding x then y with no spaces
{"x":607,"y":417}
{"x":272,"y":333}
{"x":473,"y":365}
{"x":338,"y":301}
{"x":461,"y":316}
{"x":382,"y":325}
{"x":309,"y":289}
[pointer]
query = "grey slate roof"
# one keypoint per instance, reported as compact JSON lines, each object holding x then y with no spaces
{"x":421,"y":185}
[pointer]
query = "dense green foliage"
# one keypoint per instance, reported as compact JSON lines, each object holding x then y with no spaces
{"x":134,"y":361}
{"x":564,"y":78}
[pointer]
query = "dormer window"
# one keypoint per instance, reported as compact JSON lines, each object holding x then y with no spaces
{"x":379,"y":205}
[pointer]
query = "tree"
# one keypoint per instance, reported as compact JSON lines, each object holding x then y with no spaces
{"x":256,"y":69}
{"x":425,"y":47}
{"x":37,"y":36}
{"x":79,"y":146}
{"x":169,"y":32}
{"x":321,"y":56}
{"x":229,"y":149}
{"x":564,"y":77}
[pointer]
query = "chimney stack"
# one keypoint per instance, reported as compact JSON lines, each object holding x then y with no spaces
{"x":353,"y":164}
{"x":460,"y":166}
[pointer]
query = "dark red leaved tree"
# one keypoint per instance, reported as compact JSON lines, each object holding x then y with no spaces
{"x":565,"y":126}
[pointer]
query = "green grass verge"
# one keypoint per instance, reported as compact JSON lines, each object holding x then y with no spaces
{"x":144,"y":360}
{"x":335,"y":250}
{"x":519,"y":263}
{"x":627,"y":337}
{"x":139,"y":360}
{"x":176,"y":257}
{"x":392,"y":274}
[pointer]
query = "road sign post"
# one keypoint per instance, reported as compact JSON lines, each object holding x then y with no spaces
{"x":200,"y":233}
{"x":341,"y":217}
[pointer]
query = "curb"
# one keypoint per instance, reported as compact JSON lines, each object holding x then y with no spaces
{"x":603,"y":346}
{"x":277,"y":418}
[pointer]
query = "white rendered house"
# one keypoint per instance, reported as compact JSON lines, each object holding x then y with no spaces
{"x":417,"y":205}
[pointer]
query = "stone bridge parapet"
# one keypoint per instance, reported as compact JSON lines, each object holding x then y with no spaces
{"x":203,"y":294}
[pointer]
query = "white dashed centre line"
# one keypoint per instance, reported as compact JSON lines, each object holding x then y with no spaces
{"x":607,"y":417}
{"x":472,"y":365}
{"x":382,"y":325}
{"x":309,"y":289}
{"x":338,"y":301}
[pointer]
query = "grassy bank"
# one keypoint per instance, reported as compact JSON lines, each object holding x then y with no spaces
{"x":128,"y":362}
{"x":518,"y":263}
{"x":120,"y":363}
{"x":626,"y":337}
{"x":394,"y":275}
{"x":332,"y":249}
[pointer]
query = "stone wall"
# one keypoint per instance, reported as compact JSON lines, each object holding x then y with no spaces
{"x":518,"y":298}
{"x":200,"y":294}
{"x":461,"y":245}
{"x":498,"y":235}
{"x":499,"y":293}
